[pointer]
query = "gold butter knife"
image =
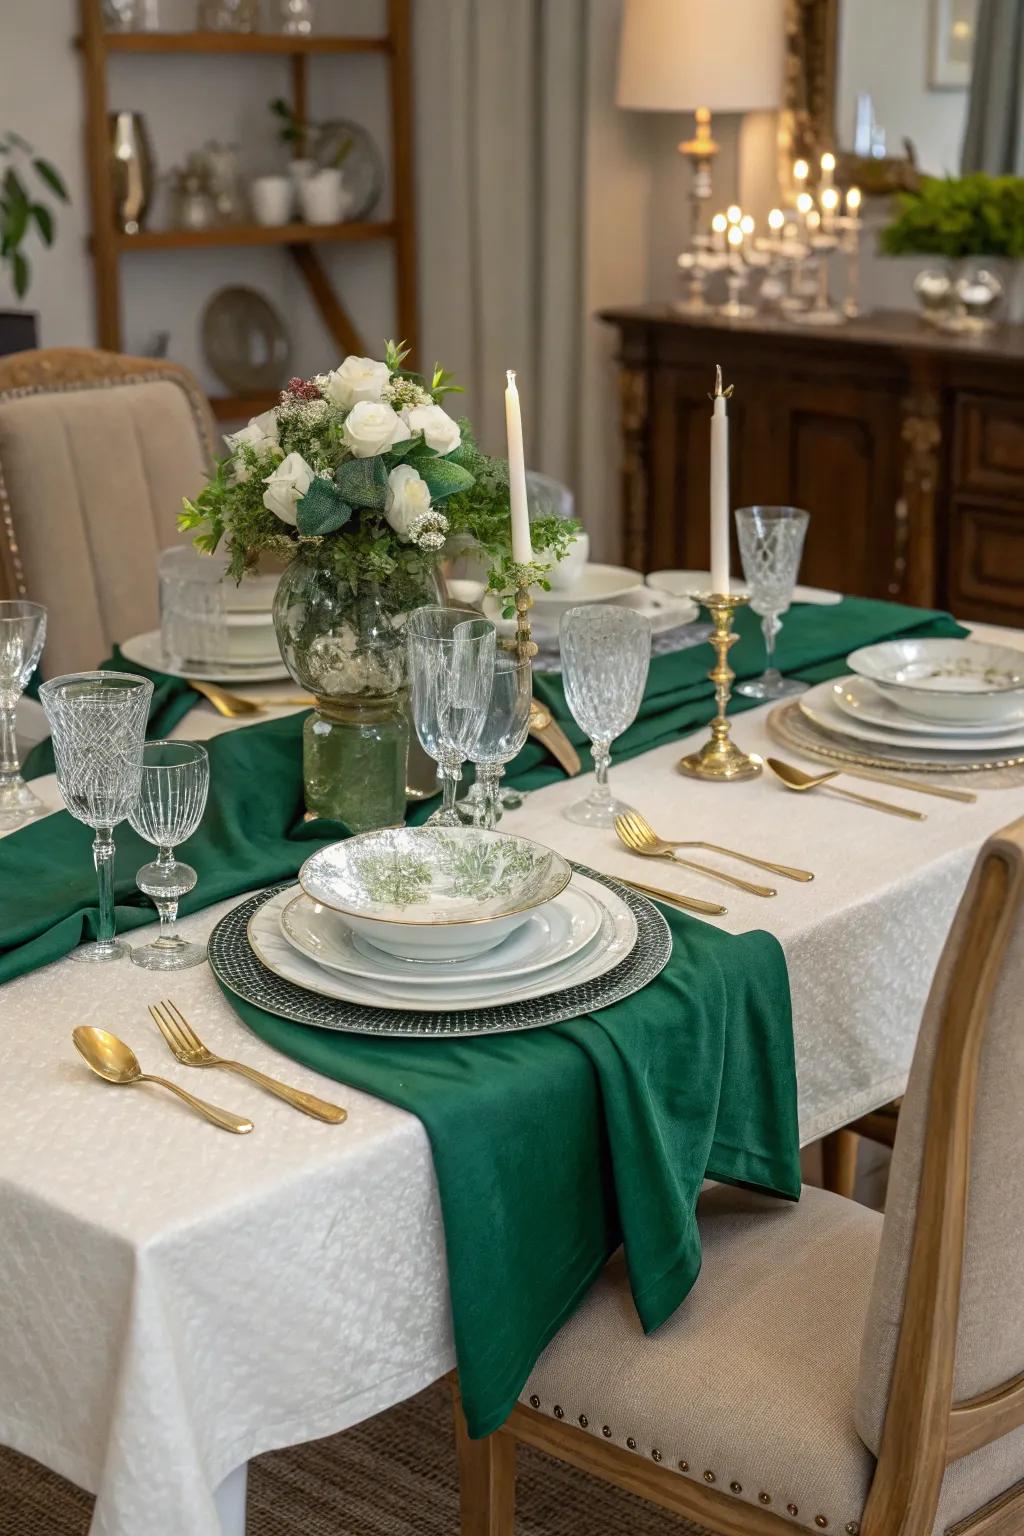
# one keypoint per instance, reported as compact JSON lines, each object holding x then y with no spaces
{"x":688,"y":903}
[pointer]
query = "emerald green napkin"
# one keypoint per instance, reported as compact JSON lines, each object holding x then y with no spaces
{"x":553,"y":1145}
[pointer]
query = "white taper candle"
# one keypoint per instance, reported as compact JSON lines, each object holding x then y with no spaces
{"x":522,"y":550}
{"x":719,"y":490}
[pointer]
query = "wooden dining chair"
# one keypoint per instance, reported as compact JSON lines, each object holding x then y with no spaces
{"x":96,"y":452}
{"x":830,"y":1371}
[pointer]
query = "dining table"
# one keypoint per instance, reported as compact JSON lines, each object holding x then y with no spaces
{"x":178,"y":1301}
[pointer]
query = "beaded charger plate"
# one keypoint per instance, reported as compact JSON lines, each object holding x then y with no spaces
{"x":238,"y":969}
{"x":789,"y":725}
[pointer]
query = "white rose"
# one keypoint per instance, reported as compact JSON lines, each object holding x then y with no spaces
{"x":440,"y":432}
{"x":408,"y":498}
{"x":371,"y":427}
{"x":358,"y":378}
{"x":289,"y":481}
{"x":261,"y":433}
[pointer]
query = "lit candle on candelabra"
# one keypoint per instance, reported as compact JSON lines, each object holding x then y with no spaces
{"x":720,"y":487}
{"x":813,"y":221}
{"x":829,"y":208}
{"x":719,"y":225}
{"x":522,"y":549}
{"x":801,"y":171}
{"x":804,"y":206}
{"x":828,"y":169}
{"x":734,"y":213}
{"x":776,"y":220}
{"x":747,"y":225}
{"x":853,"y":202}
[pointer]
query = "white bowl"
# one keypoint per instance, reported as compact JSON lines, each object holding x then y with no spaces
{"x":957,"y":682}
{"x":434,"y":893}
{"x":595,"y":584}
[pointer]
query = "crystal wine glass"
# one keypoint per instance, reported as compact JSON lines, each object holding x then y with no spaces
{"x":175,"y":781}
{"x":98,"y":726}
{"x":22,"y":633}
{"x":451,"y":663}
{"x":606,"y":652}
{"x":505,"y":729}
{"x":771,"y":543}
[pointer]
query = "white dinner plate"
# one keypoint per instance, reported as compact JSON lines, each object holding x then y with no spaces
{"x":858,"y":698}
{"x":555,"y":933}
{"x":597,"y":584}
{"x":614,"y":941}
{"x":820,"y":707}
{"x":682,"y":583}
{"x":147,"y":651}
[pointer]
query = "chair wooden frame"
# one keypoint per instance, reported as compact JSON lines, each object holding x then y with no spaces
{"x":56,"y":370}
{"x":925,"y":1429}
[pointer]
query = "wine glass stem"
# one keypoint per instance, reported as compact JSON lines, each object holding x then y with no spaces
{"x":9,"y":764}
{"x":770,"y":627}
{"x":602,"y":755}
{"x":450,"y":783}
{"x":167,"y":907}
{"x":103,"y":859}
{"x":488,"y":809}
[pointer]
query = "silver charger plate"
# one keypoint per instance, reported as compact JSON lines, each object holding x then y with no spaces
{"x":237,"y":968}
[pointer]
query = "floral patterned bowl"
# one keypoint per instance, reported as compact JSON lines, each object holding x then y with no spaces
{"x":953,"y":682}
{"x":434,"y":893}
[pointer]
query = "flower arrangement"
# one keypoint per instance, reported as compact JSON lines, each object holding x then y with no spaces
{"x":954,"y":217}
{"x":364,"y":466}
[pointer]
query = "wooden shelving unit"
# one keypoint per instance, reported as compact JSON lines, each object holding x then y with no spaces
{"x":109,"y":244}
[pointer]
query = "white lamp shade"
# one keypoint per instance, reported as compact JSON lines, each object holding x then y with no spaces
{"x":678,"y":55}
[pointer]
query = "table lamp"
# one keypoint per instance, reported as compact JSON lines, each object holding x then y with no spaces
{"x":694,"y":56}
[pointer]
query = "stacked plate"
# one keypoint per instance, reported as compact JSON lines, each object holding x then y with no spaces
{"x":398,"y":930}
{"x":955,"y":701}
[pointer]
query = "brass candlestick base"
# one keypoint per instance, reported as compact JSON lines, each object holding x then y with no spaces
{"x":720,"y":758}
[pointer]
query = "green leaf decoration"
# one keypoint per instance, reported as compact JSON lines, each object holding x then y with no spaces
{"x":401,"y":451}
{"x":44,"y":222}
{"x":322,"y":510}
{"x":20,"y":271}
{"x":445,"y":478}
{"x":363,"y":482}
{"x":53,"y":179}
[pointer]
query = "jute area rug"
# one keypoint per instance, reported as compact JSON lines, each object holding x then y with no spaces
{"x":392,"y":1476}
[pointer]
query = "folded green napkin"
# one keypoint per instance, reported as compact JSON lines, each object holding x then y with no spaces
{"x":553,"y":1145}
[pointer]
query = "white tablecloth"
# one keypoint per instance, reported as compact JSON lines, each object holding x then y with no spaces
{"x":176,"y":1300}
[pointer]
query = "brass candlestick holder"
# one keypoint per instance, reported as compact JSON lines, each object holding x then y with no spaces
{"x":526,"y":646}
{"x":720,"y":758}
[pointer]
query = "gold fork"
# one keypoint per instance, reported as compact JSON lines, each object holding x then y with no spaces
{"x":186,"y":1045}
{"x":645,"y":832}
{"x":654,"y":849}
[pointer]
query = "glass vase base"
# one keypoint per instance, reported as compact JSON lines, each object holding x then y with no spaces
{"x":18,"y":804}
{"x":443,"y":818}
{"x":101,"y":954}
{"x":599,"y":813}
{"x":177,"y":955}
{"x":770,"y":687}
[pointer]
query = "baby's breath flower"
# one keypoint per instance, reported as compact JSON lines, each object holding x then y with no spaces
{"x":401,"y":393}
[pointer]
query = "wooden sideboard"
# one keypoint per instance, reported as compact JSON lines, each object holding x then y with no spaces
{"x":906,"y":446}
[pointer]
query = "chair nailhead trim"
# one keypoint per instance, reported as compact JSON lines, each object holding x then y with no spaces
{"x":684,"y":1466}
{"x":630,"y":1442}
{"x":765,"y":1498}
{"x":606,"y":1432}
{"x":791,"y":1509}
{"x":559,"y":1412}
{"x":584,"y":1421}
{"x":655,"y":1455}
{"x":534,"y":1402}
{"x":852,"y":1528}
{"x":821,"y":1522}
{"x":735,"y":1487}
{"x":709,"y":1477}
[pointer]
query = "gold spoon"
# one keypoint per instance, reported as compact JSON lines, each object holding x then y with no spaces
{"x":795,"y":778}
{"x":233,"y":706}
{"x":116,"y":1062}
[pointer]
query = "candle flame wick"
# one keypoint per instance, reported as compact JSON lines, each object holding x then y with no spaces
{"x":510,"y":375}
{"x":721,"y":393}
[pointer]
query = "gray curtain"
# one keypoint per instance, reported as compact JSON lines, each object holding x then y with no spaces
{"x":500,"y":103}
{"x":994,"y":138}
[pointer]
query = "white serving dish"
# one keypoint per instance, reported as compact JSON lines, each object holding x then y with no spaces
{"x":596,"y":584}
{"x":955,"y":682}
{"x":147,"y":651}
{"x":614,"y":941}
{"x":548,"y":937}
{"x":862,"y":701}
{"x":682,"y":583}
{"x":819,"y":705}
{"x":434,"y":893}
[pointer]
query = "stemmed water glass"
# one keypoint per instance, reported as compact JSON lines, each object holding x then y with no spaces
{"x":771,"y":543}
{"x":175,"y":781}
{"x":606,"y":652}
{"x":22,"y":633}
{"x":504,"y":731}
{"x":98,"y":726}
{"x":451,"y":663}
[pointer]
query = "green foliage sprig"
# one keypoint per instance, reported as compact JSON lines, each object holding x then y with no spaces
{"x":21,"y":210}
{"x":953,"y":217}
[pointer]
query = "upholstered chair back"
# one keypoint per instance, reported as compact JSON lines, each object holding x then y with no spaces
{"x":989,"y":1338}
{"x":96,"y":453}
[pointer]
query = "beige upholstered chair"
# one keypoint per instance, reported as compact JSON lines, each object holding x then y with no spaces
{"x":96,"y":452}
{"x":831,"y":1371}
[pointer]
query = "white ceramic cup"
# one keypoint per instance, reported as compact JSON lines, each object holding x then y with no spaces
{"x":566,"y":573}
{"x":299,"y":169}
{"x":271,"y":198}
{"x":322,"y":197}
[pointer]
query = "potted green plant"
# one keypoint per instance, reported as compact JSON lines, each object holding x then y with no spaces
{"x":28,"y":184}
{"x":976,"y":225}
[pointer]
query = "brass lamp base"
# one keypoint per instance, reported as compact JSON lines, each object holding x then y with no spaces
{"x":720,"y":759}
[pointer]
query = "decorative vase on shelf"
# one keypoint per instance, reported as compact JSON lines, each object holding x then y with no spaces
{"x":133,"y":169}
{"x":345,"y":644}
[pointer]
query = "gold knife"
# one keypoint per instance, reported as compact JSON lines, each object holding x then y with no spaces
{"x":549,"y":733}
{"x":688,"y":903}
{"x":966,"y":795}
